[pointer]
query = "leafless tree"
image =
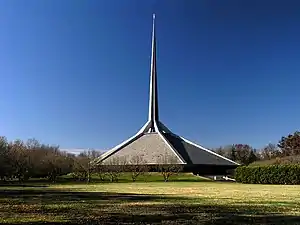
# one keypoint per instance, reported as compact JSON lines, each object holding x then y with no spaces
{"x":244,"y":154}
{"x":101,"y":170}
{"x":24,"y":160}
{"x":5,"y":167}
{"x":168,"y":166}
{"x":137,"y":166}
{"x":269,"y":152}
{"x":57,"y":163}
{"x":81,"y":169}
{"x":19,"y":159}
{"x":83,"y":166}
{"x":115,"y":167}
{"x":226,"y":151}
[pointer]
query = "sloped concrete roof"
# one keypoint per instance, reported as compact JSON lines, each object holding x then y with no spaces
{"x":194,"y":154}
{"x":149,"y":147}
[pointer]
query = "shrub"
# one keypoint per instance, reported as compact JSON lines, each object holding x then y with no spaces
{"x":272,"y":174}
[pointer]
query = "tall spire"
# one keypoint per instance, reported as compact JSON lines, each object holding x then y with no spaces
{"x":155,"y":140}
{"x":153,"y":100}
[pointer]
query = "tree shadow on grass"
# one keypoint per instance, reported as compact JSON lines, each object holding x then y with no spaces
{"x":55,"y":196}
{"x":127,"y":208}
{"x":24,"y":185}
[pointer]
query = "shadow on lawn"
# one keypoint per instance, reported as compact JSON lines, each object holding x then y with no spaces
{"x":48,"y":196}
{"x":105,"y":208}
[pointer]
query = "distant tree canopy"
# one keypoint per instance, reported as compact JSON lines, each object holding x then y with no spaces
{"x":270,"y":151}
{"x":31,"y":159}
{"x":290,"y":145}
{"x":285,"y":151}
{"x":241,"y":153}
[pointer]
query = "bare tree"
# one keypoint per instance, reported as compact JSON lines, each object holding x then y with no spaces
{"x":101,"y":170}
{"x":24,"y":160}
{"x":83,"y":166}
{"x":220,"y":150}
{"x":19,"y":159}
{"x":36,"y":158}
{"x":168,"y":166}
{"x":270,"y":151}
{"x":244,"y":154}
{"x":57,"y":163}
{"x":137,"y":166}
{"x":5,"y":168}
{"x":227,"y":151}
{"x":115,"y":167}
{"x":33,"y":144}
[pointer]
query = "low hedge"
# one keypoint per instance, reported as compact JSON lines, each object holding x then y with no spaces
{"x":272,"y":174}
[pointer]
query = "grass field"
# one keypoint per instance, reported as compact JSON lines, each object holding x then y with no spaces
{"x":186,"y":199}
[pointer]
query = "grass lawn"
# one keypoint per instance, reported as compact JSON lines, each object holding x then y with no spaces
{"x":185,"y":199}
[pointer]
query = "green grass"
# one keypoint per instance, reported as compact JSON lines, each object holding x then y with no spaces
{"x":264,"y":162}
{"x":186,"y":199}
{"x":148,"y":177}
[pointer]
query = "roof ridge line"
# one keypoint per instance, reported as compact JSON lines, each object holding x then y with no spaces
{"x":169,"y":144}
{"x":207,"y":150}
{"x":123,"y":144}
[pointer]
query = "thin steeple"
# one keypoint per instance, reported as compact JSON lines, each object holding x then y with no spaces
{"x":155,"y":140}
{"x":153,"y":98}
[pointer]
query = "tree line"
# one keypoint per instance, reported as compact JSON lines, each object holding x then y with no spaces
{"x":287,"y":150}
{"x":30,"y":159}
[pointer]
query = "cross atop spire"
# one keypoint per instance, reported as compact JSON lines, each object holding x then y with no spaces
{"x":153,"y":116}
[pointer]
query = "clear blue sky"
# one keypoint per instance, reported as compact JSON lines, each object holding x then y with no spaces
{"x":76,"y":73}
